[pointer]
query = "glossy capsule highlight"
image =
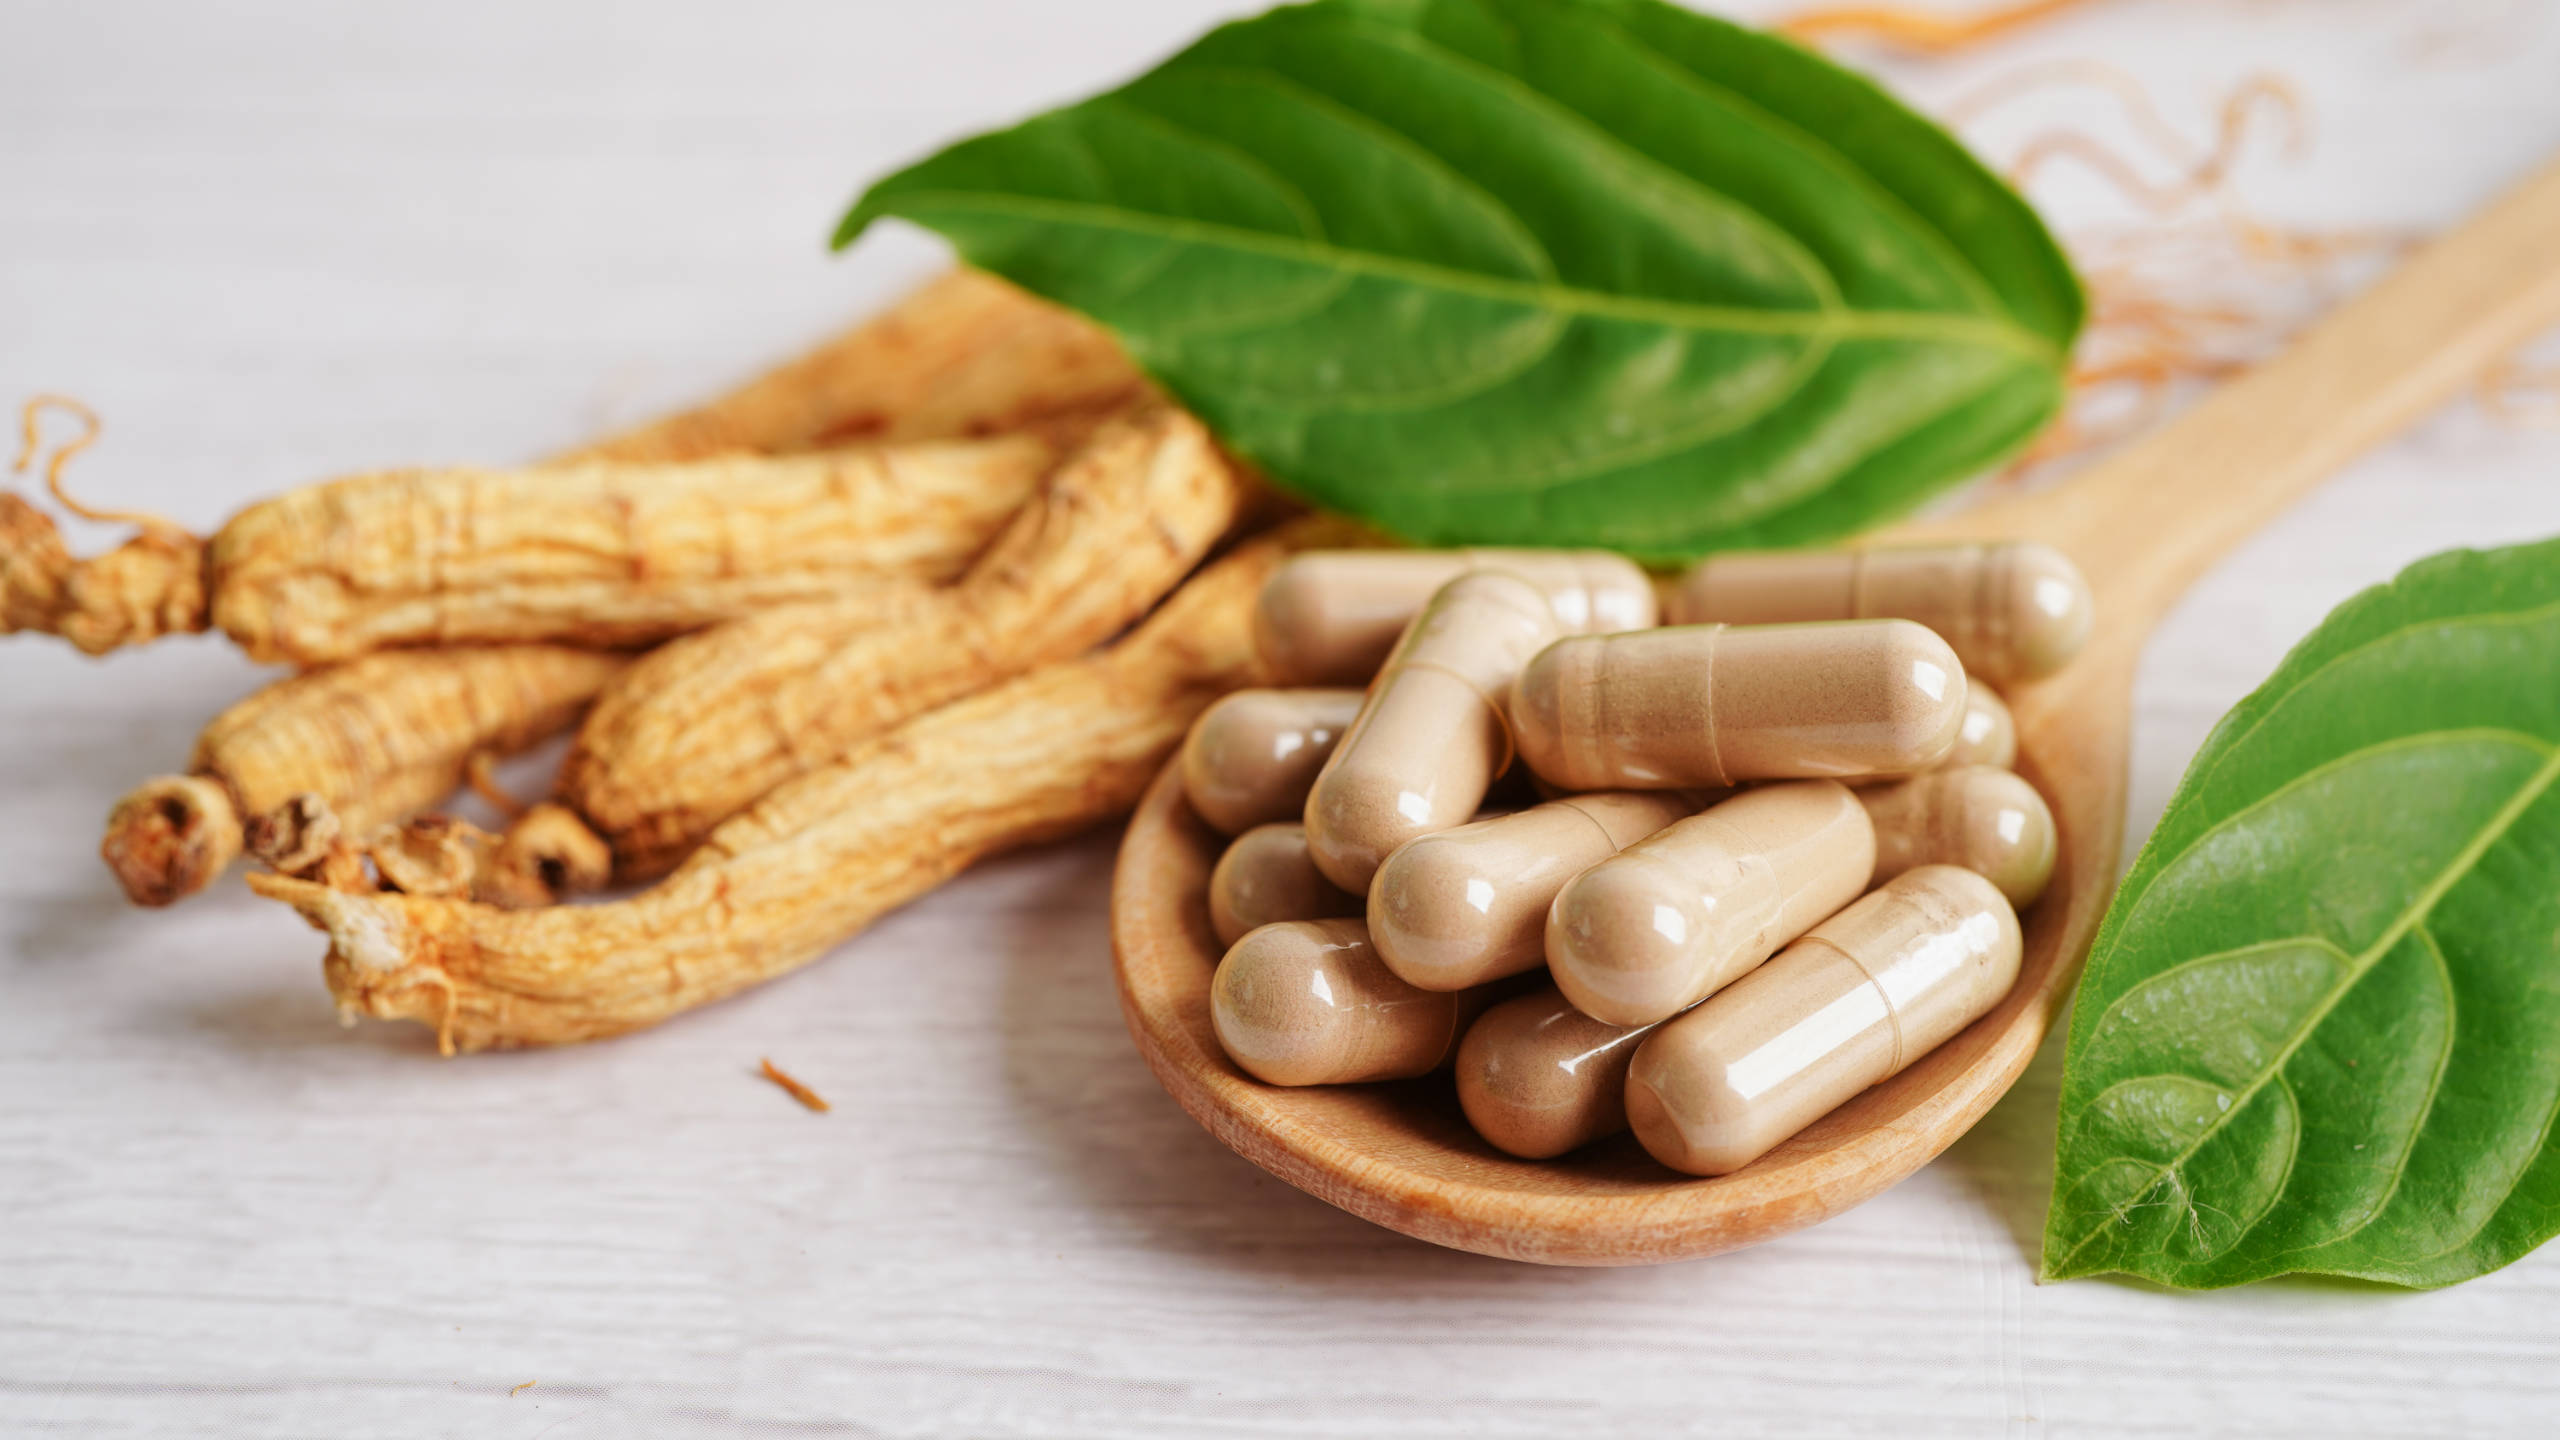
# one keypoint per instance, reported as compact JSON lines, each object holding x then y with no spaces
{"x":1462,"y":907}
{"x":1716,"y":705}
{"x":1976,"y":817}
{"x":1266,"y":876}
{"x":1988,"y":734}
{"x":1537,"y":1077}
{"x":1684,"y":912}
{"x":1306,"y":1002}
{"x":1861,"y":996}
{"x":2013,"y":610}
{"x":1431,"y":737}
{"x":1251,"y":757}
{"x":1330,"y":617}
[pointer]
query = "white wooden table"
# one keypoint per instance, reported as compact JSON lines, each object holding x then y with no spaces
{"x":280,"y":241}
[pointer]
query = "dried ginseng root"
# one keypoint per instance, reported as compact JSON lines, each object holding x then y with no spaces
{"x":151,"y":585}
{"x":1046,"y":754}
{"x":548,"y":847}
{"x":374,"y":739}
{"x":593,"y":553}
{"x":433,"y":855}
{"x":1923,"y":30}
{"x":704,"y":726}
{"x":967,"y":354}
{"x":388,"y":734}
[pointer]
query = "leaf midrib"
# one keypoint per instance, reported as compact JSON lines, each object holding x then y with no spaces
{"x":2139,"y":884}
{"x":2462,"y":864}
{"x":1830,"y":323}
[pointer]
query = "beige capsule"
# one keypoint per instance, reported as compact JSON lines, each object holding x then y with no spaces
{"x":1431,"y":737}
{"x":2014,"y":610}
{"x":1673,"y":918}
{"x":1251,"y":758}
{"x":1988,"y":735}
{"x":1266,"y":876}
{"x":1716,"y":705}
{"x":1538,"y":1077}
{"x":1306,"y":1002}
{"x":1465,"y":906}
{"x":1979,"y":818}
{"x":1862,"y":995}
{"x":1330,"y":617}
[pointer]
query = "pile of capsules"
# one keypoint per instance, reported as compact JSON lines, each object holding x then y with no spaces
{"x":1771,"y":853}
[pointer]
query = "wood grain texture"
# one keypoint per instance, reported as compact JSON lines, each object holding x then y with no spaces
{"x":280,"y":242}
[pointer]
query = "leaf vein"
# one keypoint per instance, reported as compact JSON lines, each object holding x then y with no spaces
{"x":2130,"y":901}
{"x":1838,"y":324}
{"x":1535,"y":101}
{"x":1834,"y":160}
{"x":2224,"y":749}
{"x":2418,"y":909}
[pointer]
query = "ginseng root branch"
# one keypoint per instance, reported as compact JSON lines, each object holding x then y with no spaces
{"x":705,"y":725}
{"x":1055,"y":750}
{"x":374,"y":739}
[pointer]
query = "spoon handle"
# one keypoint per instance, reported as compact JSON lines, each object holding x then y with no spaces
{"x":2145,"y":523}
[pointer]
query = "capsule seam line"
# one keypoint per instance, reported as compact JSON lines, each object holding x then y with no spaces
{"x":1501,"y":716}
{"x":1715,"y":735}
{"x":1858,"y":583}
{"x":1609,"y":839}
{"x":1990,"y":619}
{"x":1892,"y":1015}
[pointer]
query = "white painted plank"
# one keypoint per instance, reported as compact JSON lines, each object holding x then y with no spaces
{"x":274,"y":242}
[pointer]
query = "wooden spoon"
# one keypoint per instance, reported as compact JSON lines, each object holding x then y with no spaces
{"x":2142,"y":526}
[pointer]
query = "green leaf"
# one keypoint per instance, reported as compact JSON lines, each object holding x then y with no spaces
{"x":1596,"y":272}
{"x":2320,"y":1030}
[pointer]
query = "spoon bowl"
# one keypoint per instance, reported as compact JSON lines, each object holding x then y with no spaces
{"x":2142,"y":526}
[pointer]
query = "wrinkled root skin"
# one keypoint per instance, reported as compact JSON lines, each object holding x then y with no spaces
{"x":170,"y":838}
{"x":395,"y":957}
{"x":1057,"y":750}
{"x":151,"y":585}
{"x":697,"y":731}
{"x":967,"y":354}
{"x":551,"y":847}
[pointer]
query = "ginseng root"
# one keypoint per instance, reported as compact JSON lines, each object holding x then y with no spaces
{"x":374,"y":739}
{"x":966,"y":355}
{"x":334,"y":571}
{"x":151,"y":585}
{"x":386,"y":735}
{"x":595,"y":553}
{"x":704,"y":726}
{"x":1051,"y":752}
{"x":550,"y":847}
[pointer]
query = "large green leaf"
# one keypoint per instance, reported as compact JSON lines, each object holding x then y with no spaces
{"x":1536,"y":271}
{"x":2320,"y":1030}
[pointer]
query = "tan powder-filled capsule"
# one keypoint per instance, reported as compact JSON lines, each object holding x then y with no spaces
{"x":1306,"y":1002}
{"x":1330,"y":617}
{"x":2013,"y":611}
{"x":1977,"y":818}
{"x":1469,"y":905}
{"x":1431,"y":737}
{"x":1988,"y":734}
{"x":1265,"y":877}
{"x":1538,"y":1077}
{"x":1251,"y":758}
{"x":1867,"y":992}
{"x":1674,"y":917}
{"x":1715,"y":705}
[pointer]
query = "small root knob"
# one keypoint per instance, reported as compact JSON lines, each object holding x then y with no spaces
{"x":169,"y":837}
{"x":551,"y":849}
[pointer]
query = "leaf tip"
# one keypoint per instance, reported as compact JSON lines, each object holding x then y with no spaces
{"x":850,"y":228}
